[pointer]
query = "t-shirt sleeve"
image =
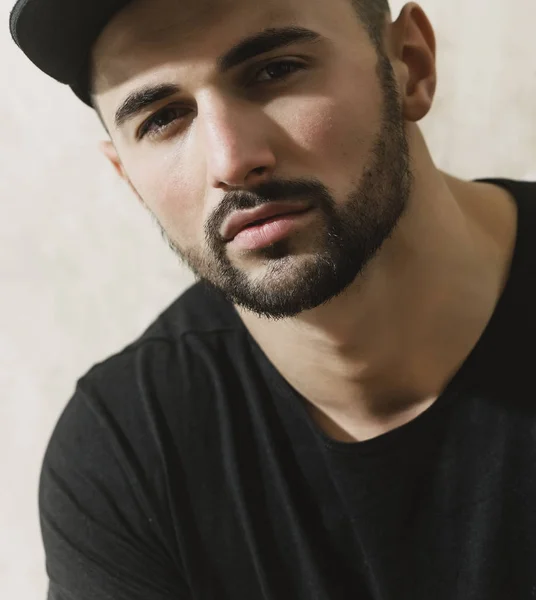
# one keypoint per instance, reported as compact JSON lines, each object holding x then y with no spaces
{"x":101,"y":524}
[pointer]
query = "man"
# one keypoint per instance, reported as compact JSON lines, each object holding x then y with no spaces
{"x":342,"y":407}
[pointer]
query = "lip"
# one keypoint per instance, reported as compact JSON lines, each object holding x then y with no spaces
{"x":241,"y":219}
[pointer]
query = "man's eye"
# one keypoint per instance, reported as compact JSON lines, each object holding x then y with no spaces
{"x":279,"y":70}
{"x":161,"y":120}
{"x":164,"y":118}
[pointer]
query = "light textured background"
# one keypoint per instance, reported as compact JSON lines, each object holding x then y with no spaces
{"x":83,"y":269}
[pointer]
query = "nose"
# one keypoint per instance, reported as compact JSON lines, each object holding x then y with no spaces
{"x":236,"y":144}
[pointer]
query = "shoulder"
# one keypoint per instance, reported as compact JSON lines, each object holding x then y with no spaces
{"x":116,"y":463}
{"x":135,"y":411}
{"x":156,"y":378}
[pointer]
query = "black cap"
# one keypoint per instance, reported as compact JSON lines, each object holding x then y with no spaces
{"x":57,"y":36}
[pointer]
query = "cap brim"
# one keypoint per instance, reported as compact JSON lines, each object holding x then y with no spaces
{"x":57,"y":35}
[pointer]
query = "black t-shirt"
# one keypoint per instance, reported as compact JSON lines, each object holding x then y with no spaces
{"x":186,"y":467}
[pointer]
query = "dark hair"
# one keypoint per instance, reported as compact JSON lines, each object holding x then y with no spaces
{"x":372,"y":14}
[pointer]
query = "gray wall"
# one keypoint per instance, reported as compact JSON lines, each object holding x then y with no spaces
{"x":83,"y":269}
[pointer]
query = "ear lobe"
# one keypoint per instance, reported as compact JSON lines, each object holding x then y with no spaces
{"x":109,"y":151}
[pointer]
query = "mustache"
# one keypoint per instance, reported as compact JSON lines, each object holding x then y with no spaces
{"x":273,"y":191}
{"x":265,"y":192}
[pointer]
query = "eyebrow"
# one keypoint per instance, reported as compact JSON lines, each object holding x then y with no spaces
{"x":259,"y":43}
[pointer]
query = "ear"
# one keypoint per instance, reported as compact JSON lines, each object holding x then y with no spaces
{"x":108,"y":149}
{"x":413,"y":54}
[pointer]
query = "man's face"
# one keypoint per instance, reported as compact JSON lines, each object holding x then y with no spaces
{"x":316,"y":122}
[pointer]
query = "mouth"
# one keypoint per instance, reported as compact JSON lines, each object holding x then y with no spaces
{"x":267,"y":219}
{"x":265,"y":232}
{"x":253,"y":218}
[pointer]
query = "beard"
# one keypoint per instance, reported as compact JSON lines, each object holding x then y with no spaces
{"x":294,"y":280}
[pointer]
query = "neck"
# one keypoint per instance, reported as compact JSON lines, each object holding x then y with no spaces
{"x":397,"y":335}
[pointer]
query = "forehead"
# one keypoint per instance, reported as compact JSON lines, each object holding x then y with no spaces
{"x":154,"y":35}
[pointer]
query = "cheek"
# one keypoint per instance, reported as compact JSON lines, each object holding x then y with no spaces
{"x":170,"y":194}
{"x":335,"y":133}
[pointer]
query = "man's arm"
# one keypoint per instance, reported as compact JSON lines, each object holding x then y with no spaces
{"x":100,"y":523}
